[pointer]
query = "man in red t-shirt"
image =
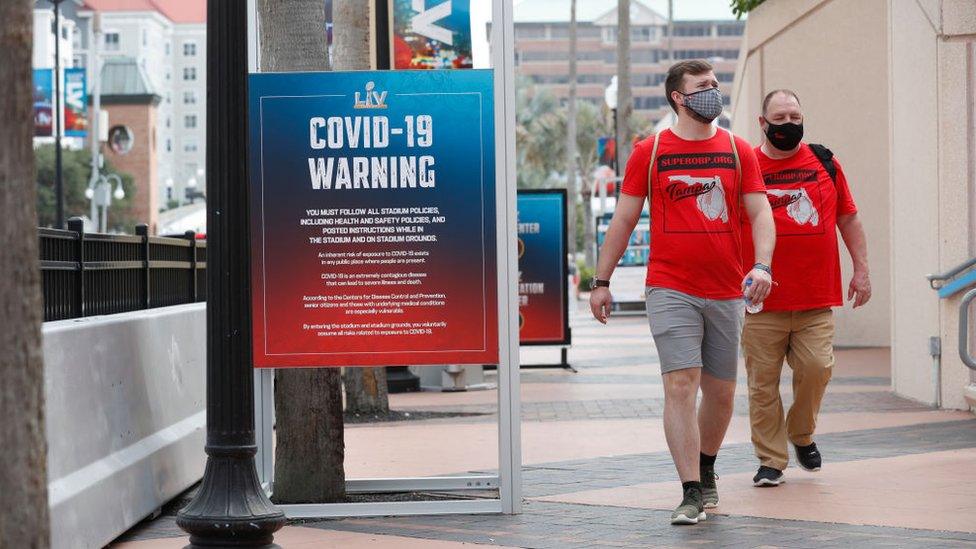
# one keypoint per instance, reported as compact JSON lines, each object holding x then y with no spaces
{"x":796,"y":323}
{"x":699,"y":178}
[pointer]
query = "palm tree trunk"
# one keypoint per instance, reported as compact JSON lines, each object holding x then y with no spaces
{"x":366,"y":391}
{"x":24,"y":518}
{"x":572,"y":168}
{"x":589,"y":230}
{"x":310,"y":447}
{"x":625,"y":103}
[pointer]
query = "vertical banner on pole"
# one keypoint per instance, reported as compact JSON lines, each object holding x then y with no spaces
{"x":543,"y":271}
{"x":430,"y":35}
{"x":75,"y":103}
{"x":373,"y":221}
{"x":43,"y":102}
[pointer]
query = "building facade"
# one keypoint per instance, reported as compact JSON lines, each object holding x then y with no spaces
{"x":542,"y":49}
{"x":890,"y":87}
{"x":167,"y":40}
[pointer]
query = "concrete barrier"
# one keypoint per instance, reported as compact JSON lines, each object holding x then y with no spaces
{"x":125,"y":397}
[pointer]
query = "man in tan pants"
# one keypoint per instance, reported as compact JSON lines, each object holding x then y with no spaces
{"x":811,"y":200}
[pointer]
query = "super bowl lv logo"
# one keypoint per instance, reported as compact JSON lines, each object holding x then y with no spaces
{"x":370,"y":99}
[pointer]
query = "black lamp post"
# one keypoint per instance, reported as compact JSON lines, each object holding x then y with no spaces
{"x":58,"y":184}
{"x":230,"y":508}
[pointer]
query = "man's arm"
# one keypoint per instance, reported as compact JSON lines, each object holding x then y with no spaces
{"x":852,"y":231}
{"x":625,"y":217}
{"x":764,"y":239}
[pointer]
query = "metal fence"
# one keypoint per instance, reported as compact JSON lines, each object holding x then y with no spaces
{"x":87,"y":274}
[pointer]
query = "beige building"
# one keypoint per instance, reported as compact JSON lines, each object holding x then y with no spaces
{"x":890,"y":86}
{"x":542,"y":47}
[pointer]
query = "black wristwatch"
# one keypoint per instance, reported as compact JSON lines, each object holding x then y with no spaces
{"x":597,"y":283}
{"x":763,"y":267}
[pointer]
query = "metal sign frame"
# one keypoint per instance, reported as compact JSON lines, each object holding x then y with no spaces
{"x":508,"y":480}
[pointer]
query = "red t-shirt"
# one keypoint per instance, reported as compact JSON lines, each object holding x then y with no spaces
{"x":806,"y":203}
{"x":695,"y":211}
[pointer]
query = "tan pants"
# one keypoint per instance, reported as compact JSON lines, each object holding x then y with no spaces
{"x":805,"y":339}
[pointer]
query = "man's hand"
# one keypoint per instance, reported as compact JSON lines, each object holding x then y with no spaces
{"x":762,"y":283}
{"x":860,"y":288}
{"x":600,"y":302}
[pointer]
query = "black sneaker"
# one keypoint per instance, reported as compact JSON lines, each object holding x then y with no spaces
{"x":709,"y":489}
{"x":808,"y":457}
{"x":767,"y":476}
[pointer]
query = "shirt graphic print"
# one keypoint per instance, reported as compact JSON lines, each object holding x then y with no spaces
{"x":806,"y":203}
{"x":696,"y":210}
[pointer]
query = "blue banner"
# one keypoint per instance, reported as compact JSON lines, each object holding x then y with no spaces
{"x":427,"y":34}
{"x":75,"y":103}
{"x":542,"y":287}
{"x":43,"y":102}
{"x":373,"y":218}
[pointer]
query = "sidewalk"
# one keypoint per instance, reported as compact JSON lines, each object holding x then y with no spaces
{"x":597,"y":472}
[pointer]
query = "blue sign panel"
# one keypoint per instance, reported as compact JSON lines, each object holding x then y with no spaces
{"x":543,"y":287}
{"x":373,"y":218}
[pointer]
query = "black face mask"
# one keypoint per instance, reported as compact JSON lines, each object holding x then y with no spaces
{"x":784,"y":137}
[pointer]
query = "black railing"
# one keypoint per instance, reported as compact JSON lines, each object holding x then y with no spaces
{"x":87,"y":274}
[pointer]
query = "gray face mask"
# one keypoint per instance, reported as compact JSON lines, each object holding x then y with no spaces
{"x":705,"y":103}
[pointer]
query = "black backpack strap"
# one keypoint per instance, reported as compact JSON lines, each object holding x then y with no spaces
{"x":826,"y":158}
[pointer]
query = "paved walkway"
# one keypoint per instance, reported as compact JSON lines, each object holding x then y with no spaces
{"x":597,"y":472}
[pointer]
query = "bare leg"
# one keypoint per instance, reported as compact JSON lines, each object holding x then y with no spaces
{"x":715,"y":413}
{"x":680,"y":425}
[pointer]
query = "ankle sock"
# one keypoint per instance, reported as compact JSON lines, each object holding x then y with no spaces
{"x":706,"y":460}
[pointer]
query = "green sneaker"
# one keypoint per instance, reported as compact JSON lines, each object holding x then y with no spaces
{"x":709,"y":489}
{"x":691,"y":509}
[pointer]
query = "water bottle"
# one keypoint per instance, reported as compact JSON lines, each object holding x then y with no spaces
{"x":751,"y":307}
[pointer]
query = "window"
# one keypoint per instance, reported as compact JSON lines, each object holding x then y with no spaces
{"x":588,"y":31}
{"x":78,"y":60}
{"x":144,"y":37}
{"x":167,"y":48}
{"x":530,"y":32}
{"x":643,"y":56}
{"x":189,"y":98}
{"x":649,"y":79}
{"x":649,"y":103}
{"x":169,"y":145}
{"x":641,"y":34}
{"x":730,"y":30}
{"x":167,"y":75}
{"x":189,"y":49}
{"x":111,"y":41}
{"x":190,"y":146}
{"x":189,"y":73}
{"x":167,"y":122}
{"x":190,"y":121}
{"x":692,"y":30}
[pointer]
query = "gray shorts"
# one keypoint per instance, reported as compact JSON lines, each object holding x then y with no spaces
{"x":693,"y":332}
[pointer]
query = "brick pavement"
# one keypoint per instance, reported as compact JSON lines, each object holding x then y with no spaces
{"x":625,"y":358}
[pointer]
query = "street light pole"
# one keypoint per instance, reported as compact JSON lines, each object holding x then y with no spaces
{"x":230,"y":509}
{"x":58,"y":184}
